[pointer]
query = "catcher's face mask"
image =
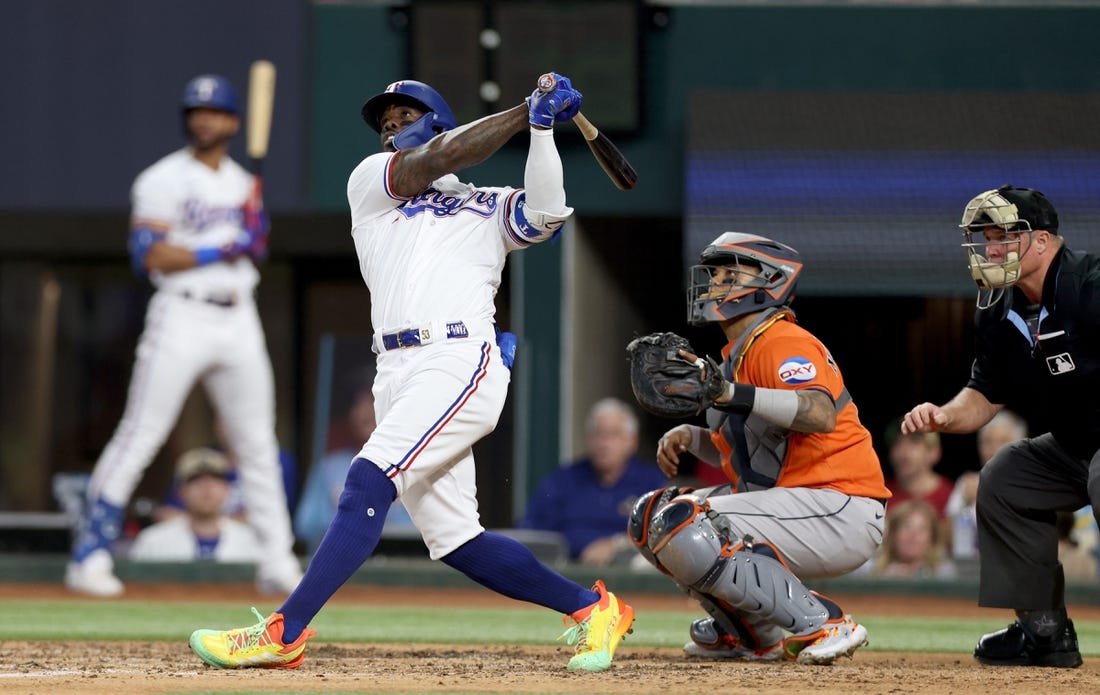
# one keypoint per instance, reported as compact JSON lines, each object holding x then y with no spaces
{"x":998,"y":227}
{"x":740,"y":274}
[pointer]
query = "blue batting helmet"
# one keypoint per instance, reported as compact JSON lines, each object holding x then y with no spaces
{"x":210,"y":92}
{"x":415,"y":94}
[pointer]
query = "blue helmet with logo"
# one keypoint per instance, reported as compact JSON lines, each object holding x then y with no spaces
{"x":437,"y":115}
{"x":210,"y":92}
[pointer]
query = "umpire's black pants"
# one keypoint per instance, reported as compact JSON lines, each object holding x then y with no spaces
{"x":1021,"y":488}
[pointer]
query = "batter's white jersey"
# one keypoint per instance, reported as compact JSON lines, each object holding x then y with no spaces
{"x":433,"y":265}
{"x":202,"y":325}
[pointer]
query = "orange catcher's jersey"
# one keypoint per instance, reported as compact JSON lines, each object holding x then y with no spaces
{"x":756,"y":454}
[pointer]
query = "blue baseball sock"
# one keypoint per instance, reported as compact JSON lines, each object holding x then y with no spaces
{"x":100,"y":527}
{"x":349,"y":541}
{"x":508,"y":567}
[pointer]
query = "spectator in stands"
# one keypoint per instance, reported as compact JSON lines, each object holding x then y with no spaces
{"x":914,"y":546}
{"x":1006,"y":426}
{"x":913,"y":459}
{"x":589,"y":501}
{"x":325,"y":480}
{"x":173,"y":505}
{"x":202,"y":531}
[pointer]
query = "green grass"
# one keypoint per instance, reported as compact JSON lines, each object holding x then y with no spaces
{"x":152,"y":621}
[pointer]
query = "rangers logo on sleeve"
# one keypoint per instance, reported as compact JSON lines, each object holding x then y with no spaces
{"x":797,"y":370}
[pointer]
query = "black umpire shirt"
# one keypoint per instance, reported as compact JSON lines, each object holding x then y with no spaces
{"x":1056,"y":371}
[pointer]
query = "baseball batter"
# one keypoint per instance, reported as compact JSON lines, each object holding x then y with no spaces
{"x":189,"y":235}
{"x":431,"y":249}
{"x":1037,"y":351}
{"x":806,"y":496}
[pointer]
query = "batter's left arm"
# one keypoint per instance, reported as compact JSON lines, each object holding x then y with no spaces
{"x":413,"y":169}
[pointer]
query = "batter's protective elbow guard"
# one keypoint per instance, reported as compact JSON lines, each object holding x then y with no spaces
{"x":536,"y":225}
{"x":141,"y":240}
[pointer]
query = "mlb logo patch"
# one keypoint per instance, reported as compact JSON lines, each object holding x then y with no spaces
{"x":457,"y":330}
{"x":797,"y":370}
{"x":1060,"y":364}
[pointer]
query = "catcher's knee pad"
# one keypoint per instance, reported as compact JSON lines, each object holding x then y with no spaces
{"x":641,"y":516}
{"x":753,"y":579}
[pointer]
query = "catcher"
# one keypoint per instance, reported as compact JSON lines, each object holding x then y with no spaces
{"x":805,"y":497}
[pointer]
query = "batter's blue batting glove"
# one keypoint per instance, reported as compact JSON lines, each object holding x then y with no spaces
{"x":255,"y":219}
{"x":560,"y":105}
{"x":507,"y":343}
{"x":258,"y":248}
{"x":257,"y":227}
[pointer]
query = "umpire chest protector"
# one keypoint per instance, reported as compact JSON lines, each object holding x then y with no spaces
{"x":1052,"y":375}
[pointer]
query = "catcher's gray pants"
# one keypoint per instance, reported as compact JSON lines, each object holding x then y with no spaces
{"x":1020,"y":490}
{"x":819,"y":533}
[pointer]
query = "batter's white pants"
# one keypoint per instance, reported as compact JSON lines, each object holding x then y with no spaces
{"x":184,"y":341}
{"x":433,"y":403}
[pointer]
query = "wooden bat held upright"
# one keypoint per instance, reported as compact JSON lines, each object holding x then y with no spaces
{"x":610,"y":159}
{"x":261,"y":103}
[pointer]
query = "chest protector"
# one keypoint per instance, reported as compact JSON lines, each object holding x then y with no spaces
{"x":757,"y":449}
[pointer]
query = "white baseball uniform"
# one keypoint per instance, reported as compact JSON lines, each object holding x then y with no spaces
{"x":173,"y":540}
{"x":202,"y":325}
{"x":433,"y":265}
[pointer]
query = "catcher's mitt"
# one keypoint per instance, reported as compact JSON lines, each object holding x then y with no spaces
{"x":668,"y":385}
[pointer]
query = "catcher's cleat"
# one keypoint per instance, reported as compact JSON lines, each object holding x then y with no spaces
{"x":597,"y":630}
{"x":94,"y":575}
{"x":258,"y":646}
{"x":836,"y":638}
{"x":710,"y":641}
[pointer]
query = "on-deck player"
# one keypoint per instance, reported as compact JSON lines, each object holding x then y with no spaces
{"x":197,"y":236}
{"x":431,"y":250}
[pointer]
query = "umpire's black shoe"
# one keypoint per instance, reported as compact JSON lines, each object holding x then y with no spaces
{"x":1016,"y":646}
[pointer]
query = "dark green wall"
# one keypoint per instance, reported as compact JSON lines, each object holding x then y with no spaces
{"x":358,"y":51}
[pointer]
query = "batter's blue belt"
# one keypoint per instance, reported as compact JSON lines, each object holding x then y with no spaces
{"x":415,"y":337}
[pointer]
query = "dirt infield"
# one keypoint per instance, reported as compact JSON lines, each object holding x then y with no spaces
{"x":133,"y":667}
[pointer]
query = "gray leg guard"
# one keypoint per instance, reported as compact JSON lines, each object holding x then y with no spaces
{"x":732,"y":621}
{"x":643,"y":513}
{"x":690,"y":541}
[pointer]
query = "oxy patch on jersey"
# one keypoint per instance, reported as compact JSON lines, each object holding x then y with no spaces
{"x":481,"y":203}
{"x":797,"y":370}
{"x":197,"y":215}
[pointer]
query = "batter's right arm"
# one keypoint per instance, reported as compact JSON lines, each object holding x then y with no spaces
{"x":964,"y":413}
{"x":149,"y":251}
{"x":413,"y":169}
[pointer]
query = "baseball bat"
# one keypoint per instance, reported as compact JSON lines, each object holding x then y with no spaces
{"x":610,"y":159}
{"x":261,"y":103}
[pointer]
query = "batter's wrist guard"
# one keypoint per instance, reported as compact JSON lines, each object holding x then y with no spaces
{"x":208,"y":255}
